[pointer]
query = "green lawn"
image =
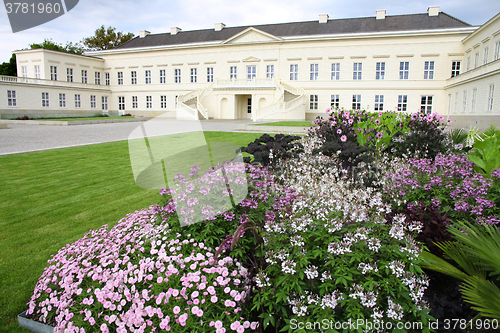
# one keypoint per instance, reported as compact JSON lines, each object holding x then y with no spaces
{"x":79,"y":119}
{"x":52,"y":198}
{"x":288,"y":123}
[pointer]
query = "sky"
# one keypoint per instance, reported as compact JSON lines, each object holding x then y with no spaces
{"x":159,"y":16}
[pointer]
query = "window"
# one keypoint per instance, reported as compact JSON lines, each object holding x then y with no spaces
{"x":147,"y":75}
{"x":380,"y":71}
{"x":429,"y":70}
{"x":356,"y":102}
{"x":270,"y":72}
{"x":149,"y":102}
{"x":53,"y":73}
{"x":62,"y":100}
{"x":194,"y":75}
{"x":11,"y":98}
{"x":78,"y":101}
{"x":404,"y":70}
{"x":177,"y":75}
{"x":104,"y":100}
{"x":294,"y":72}
{"x":134,"y":102}
{"x":45,"y":99}
{"x":163,"y":102}
{"x":474,"y":96}
{"x":313,"y":102}
{"x":426,"y":104}
{"x":496,"y":56}
{"x":163,"y":77}
{"x":468,"y":63}
{"x":37,"y":71}
{"x":335,"y":101}
{"x":251,"y":72}
{"x":464,"y":101}
{"x":121,"y":103}
{"x":455,"y":68}
{"x":357,"y":71}
{"x":84,"y":76}
{"x":485,"y":58}
{"x":97,"y":79}
{"x":176,"y":101}
{"x":456,"y":102}
{"x":379,"y":103}
{"x":120,"y":78}
{"x":490,"y":97}
{"x":133,"y":77}
{"x":476,"y":60}
{"x":93,"y":103}
{"x":69,"y":74}
{"x":24,"y":71}
{"x":402,"y":102}
{"x":449,"y":104}
{"x":106,"y":78}
{"x":314,"y":72}
{"x":210,"y":74}
{"x":336,"y":71}
{"x":233,"y":72}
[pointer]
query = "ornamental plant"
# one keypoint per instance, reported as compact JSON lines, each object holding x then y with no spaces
{"x":379,"y":128}
{"x":148,"y":272}
{"x":338,"y":138}
{"x":332,"y":254}
{"x":425,"y":137}
{"x":138,"y":277}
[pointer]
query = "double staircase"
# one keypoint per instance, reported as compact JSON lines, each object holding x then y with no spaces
{"x":191,"y":106}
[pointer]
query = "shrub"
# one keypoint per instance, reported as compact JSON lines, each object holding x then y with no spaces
{"x":331,"y":254}
{"x":436,"y":192}
{"x":127,"y":115}
{"x":425,"y":137}
{"x":267,"y":148}
{"x":100,"y":114}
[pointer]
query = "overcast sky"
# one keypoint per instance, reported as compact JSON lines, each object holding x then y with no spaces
{"x":159,"y":16}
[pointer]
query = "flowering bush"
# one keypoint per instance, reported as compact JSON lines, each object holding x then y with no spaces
{"x":331,"y":253}
{"x":425,"y":137}
{"x":138,"y":277}
{"x":439,"y":191}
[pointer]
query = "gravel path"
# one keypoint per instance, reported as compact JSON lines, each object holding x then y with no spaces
{"x":26,"y":138}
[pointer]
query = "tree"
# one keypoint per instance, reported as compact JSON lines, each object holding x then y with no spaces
{"x":105,"y":39}
{"x":50,"y":45}
{"x":9,"y":68}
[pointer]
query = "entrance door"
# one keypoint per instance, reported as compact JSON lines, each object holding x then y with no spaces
{"x":249,"y":108}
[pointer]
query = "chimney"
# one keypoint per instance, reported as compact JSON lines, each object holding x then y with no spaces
{"x":433,"y":10}
{"x":143,"y":33}
{"x":175,"y":30}
{"x":323,"y":18}
{"x":381,"y":14}
{"x":219,"y":26}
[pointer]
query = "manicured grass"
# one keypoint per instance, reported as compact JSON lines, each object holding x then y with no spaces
{"x":52,"y":198}
{"x":79,"y":119}
{"x":288,"y":123}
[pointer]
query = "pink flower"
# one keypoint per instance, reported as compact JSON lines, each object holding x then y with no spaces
{"x":218,"y":324}
{"x":213,"y":299}
{"x":339,"y":131}
{"x":177,"y":309}
{"x":343,"y":138}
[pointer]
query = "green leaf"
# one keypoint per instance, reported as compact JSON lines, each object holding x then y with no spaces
{"x":432,"y":262}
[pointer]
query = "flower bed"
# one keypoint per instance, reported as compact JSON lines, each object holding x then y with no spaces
{"x":330,"y":226}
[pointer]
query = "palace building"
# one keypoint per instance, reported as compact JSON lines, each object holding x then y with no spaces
{"x":430,"y":61}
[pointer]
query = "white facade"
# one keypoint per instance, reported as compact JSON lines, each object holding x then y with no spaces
{"x":258,"y":75}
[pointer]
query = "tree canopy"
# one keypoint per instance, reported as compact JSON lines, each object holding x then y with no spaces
{"x":50,"y":45}
{"x":9,"y":68}
{"x":106,"y":38}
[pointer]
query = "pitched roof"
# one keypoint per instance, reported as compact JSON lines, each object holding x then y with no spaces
{"x":409,"y":22}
